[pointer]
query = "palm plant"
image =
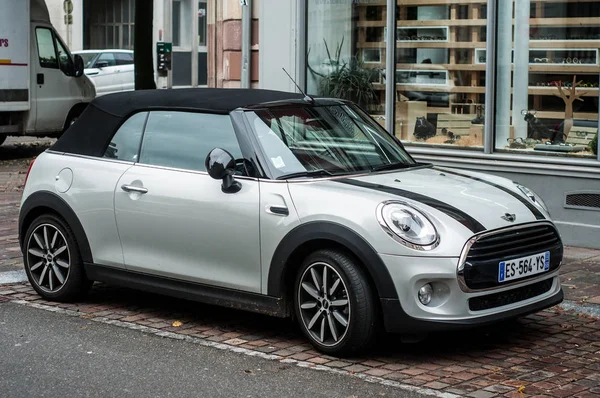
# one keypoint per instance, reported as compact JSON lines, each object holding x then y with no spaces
{"x":345,"y":80}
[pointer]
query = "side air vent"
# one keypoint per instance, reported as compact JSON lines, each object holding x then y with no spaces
{"x":583,"y":200}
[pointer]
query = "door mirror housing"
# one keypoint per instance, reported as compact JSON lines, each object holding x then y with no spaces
{"x":78,"y":65}
{"x":101,"y":64}
{"x":220,"y":165}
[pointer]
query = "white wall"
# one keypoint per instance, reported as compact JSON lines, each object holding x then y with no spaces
{"x":55,"y":9}
{"x":277,"y":44}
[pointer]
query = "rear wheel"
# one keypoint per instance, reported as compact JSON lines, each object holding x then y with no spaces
{"x":334,"y":303}
{"x":52,"y":260}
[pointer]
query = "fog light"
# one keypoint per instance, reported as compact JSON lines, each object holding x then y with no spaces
{"x":426,"y":294}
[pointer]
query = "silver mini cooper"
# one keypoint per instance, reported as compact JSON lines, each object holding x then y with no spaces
{"x":285,"y":205}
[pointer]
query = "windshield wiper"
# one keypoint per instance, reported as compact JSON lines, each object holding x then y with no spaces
{"x":391,"y":166}
{"x":308,"y":173}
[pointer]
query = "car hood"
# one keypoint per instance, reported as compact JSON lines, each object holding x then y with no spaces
{"x":478,"y":201}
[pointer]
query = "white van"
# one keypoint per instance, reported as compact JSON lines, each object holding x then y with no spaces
{"x":42,"y":87}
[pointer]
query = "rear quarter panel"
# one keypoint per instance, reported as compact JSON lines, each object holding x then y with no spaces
{"x":89,"y":194}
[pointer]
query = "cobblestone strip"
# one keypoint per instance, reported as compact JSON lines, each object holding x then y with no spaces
{"x":551,"y":353}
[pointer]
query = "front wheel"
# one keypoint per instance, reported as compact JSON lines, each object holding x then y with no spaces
{"x":52,"y":260}
{"x":334,"y":303}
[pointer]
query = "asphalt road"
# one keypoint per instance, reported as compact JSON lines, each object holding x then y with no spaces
{"x":45,"y":354}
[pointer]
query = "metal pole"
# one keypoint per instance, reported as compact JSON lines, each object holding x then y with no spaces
{"x":168,"y":15}
{"x":598,"y":132}
{"x":246,"y":42}
{"x":503,"y":71}
{"x":490,"y":78}
{"x":195,"y":43}
{"x":390,"y":68}
{"x":521,"y":69}
{"x":301,"y":44}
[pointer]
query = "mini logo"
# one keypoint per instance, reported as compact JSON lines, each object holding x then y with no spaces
{"x":509,"y":217}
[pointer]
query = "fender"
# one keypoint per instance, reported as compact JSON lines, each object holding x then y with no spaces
{"x":319,"y":230}
{"x":45,"y":199}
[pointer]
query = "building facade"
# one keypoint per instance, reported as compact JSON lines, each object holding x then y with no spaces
{"x":205,"y":34}
{"x":508,"y":87}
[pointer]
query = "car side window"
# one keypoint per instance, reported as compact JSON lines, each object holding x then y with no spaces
{"x":46,"y":49}
{"x":183,"y":139}
{"x":125,"y":144}
{"x":107,"y":59}
{"x":124,"y":58}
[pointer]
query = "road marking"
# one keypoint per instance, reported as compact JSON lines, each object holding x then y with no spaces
{"x":240,"y":350}
{"x":13,"y":277}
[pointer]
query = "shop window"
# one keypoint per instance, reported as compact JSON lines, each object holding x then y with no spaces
{"x":202,"y":9}
{"x":347,"y":60}
{"x":181,"y":24}
{"x":440,"y":87}
{"x":551,"y":107}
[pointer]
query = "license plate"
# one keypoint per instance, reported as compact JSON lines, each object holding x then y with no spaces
{"x":524,"y":266}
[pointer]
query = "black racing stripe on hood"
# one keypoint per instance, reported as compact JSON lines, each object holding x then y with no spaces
{"x":457,"y":214}
{"x":536,"y":212}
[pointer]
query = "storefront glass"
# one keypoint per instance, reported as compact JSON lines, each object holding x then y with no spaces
{"x":554,"y":69}
{"x":545,"y":62}
{"x":346,"y":52}
{"x":440,"y":73}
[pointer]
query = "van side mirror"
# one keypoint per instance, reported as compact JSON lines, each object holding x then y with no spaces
{"x":78,"y":65}
{"x":220,"y":165}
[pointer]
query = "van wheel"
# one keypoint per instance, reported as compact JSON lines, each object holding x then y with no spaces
{"x":52,"y":260}
{"x":334,"y":303}
{"x":74,"y":114}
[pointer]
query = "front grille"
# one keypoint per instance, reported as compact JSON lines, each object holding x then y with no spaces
{"x":509,"y":297}
{"x":483,"y":259}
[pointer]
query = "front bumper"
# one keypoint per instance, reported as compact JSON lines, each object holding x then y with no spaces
{"x":450,"y":308}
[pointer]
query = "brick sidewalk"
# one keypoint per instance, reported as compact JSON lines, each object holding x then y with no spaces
{"x":553,"y":353}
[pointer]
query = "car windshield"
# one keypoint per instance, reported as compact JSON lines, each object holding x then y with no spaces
{"x":87,"y":59}
{"x":311,"y":141}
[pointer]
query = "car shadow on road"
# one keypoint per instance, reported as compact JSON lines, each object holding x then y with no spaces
{"x":493,"y":341}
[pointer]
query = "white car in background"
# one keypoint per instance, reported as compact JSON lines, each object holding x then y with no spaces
{"x":110,"y":70}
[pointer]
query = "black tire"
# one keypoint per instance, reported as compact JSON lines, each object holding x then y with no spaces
{"x":74,"y":114}
{"x":3,"y":138}
{"x":361,"y":316}
{"x":75,"y":284}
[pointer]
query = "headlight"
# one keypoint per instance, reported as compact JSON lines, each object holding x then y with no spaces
{"x":534,"y":197}
{"x":407,"y":225}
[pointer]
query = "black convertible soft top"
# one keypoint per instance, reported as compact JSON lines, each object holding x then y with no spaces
{"x":92,"y":132}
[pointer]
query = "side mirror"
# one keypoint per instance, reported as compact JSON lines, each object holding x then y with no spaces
{"x":78,"y":65}
{"x":101,"y":64}
{"x":220,"y":165}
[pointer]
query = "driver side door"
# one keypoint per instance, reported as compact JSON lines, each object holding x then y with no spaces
{"x":105,"y":74}
{"x":174,"y":220}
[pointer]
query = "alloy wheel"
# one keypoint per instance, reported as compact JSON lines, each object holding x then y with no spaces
{"x":48,"y":258}
{"x":324,"y":304}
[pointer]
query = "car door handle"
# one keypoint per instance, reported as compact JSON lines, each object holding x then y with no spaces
{"x":133,"y":188}
{"x":278,"y":210}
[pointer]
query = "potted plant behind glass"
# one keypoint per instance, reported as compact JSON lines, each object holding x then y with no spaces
{"x":346,"y":80}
